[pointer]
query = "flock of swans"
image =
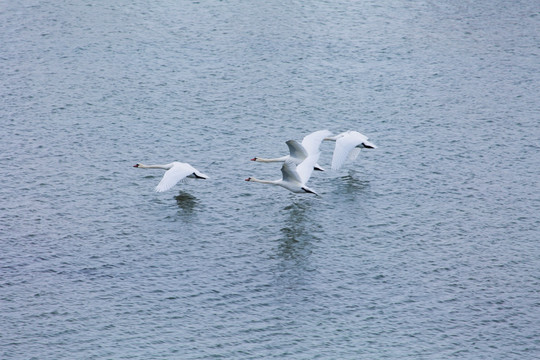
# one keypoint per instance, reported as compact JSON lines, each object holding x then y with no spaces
{"x":297,"y":166}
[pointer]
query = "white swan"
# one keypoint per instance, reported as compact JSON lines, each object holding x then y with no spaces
{"x":348,"y":145}
{"x":294,"y":178}
{"x":176,"y":171}
{"x":310,"y":145}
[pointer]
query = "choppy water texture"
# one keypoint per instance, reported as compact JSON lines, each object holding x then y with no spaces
{"x":425,"y":248}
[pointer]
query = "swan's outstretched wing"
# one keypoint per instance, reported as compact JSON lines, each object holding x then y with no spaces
{"x":335,"y":137}
{"x":289,"y":173}
{"x":353,"y":154}
{"x":343,"y":148}
{"x":298,"y":153}
{"x":176,"y":173}
{"x":312,"y":141}
{"x":305,"y":169}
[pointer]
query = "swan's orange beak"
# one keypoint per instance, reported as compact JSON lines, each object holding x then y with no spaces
{"x":248,"y":179}
{"x":136,"y":165}
{"x":254,"y":159}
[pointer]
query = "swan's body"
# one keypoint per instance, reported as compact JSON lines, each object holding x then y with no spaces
{"x":294,"y":178}
{"x":176,"y":171}
{"x":348,"y":145}
{"x":299,"y":152}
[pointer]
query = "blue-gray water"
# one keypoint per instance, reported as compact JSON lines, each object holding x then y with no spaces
{"x":425,"y":248}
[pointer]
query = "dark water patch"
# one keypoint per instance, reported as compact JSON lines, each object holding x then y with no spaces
{"x":186,"y":201}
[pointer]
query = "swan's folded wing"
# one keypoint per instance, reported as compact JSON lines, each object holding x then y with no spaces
{"x":344,"y":145}
{"x":297,"y":150}
{"x":312,"y":142}
{"x":305,"y":169}
{"x":289,"y":173}
{"x":174,"y":175}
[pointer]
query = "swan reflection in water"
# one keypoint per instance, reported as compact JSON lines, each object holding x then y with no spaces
{"x":186,"y":202}
{"x":294,"y":269}
{"x":352,"y":183}
{"x":297,"y":231}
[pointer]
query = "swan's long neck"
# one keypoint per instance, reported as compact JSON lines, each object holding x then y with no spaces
{"x":272,"y":182}
{"x":280,"y":159}
{"x":165,"y":167}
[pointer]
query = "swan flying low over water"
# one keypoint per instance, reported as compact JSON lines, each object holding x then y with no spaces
{"x":299,"y":152}
{"x":176,"y":171}
{"x":294,"y":178}
{"x":348,"y":145}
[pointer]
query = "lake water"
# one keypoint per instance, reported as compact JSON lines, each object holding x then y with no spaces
{"x":425,"y":248}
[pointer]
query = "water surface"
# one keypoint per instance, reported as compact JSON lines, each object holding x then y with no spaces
{"x":425,"y":248}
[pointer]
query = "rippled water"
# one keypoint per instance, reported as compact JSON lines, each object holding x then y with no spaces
{"x":425,"y":248}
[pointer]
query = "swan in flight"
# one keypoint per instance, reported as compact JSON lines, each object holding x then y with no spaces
{"x":176,"y":171}
{"x":294,"y":178}
{"x":299,"y":152}
{"x":348,"y":145}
